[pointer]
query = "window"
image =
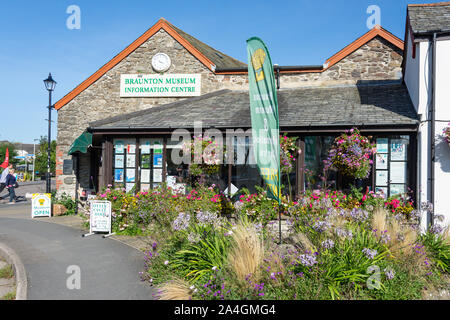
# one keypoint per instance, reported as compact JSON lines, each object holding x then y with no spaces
{"x":124,"y":164}
{"x":316,"y":151}
{"x":391,"y":175}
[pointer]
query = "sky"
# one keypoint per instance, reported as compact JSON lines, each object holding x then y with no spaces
{"x":35,"y":40}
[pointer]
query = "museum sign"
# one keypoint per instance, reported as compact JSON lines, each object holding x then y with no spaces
{"x":152,"y":85}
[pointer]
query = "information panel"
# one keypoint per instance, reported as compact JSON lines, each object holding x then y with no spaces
{"x":100,"y":216}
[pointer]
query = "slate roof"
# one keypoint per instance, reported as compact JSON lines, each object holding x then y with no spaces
{"x":221,"y":60}
{"x":386,"y":104}
{"x":428,"y":18}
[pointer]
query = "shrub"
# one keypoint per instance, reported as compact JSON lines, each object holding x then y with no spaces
{"x":438,"y":245}
{"x":67,"y":201}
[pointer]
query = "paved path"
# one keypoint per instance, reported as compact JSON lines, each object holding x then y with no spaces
{"x":109,"y":269}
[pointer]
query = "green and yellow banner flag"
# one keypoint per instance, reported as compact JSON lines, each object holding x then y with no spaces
{"x":264,"y":114}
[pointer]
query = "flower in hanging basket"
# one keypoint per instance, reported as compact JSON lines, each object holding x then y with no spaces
{"x":446,"y":133}
{"x":351,"y":154}
{"x":206,"y":155}
{"x":288,"y":151}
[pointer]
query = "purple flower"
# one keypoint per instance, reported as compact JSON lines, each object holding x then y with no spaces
{"x":390,"y":274}
{"x":181,"y":222}
{"x":436,"y":229}
{"x":370,"y":254}
{"x":308,"y":260}
{"x":328,"y":244}
{"x":359,"y":215}
{"x":321,"y":226}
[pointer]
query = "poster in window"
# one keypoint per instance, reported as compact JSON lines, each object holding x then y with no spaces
{"x":145,"y":187}
{"x":145,"y":161}
{"x":398,"y":172}
{"x":398,"y":149}
{"x":118,"y":163}
{"x":145,"y":146}
{"x":382,"y":190}
{"x":381,"y":178}
{"x":158,"y":148}
{"x":145,"y":176}
{"x":129,"y":187}
{"x":131,"y":160}
{"x":118,"y":175}
{"x":157,"y":160}
{"x":157,"y":175}
{"x":130,"y":176}
{"x":382,"y":145}
{"x":131,"y":147}
{"x":119,"y":146}
{"x":382,"y":161}
{"x":397,"y":189}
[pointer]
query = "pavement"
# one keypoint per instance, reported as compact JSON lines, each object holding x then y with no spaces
{"x":57,"y":258}
{"x":7,"y":285}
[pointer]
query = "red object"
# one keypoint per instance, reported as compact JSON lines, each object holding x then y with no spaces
{"x":6,"y":162}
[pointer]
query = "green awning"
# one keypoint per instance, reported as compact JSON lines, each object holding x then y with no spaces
{"x":81,"y":144}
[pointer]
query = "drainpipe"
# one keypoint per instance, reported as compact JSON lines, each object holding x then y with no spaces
{"x":277,"y":74}
{"x":433,"y":127}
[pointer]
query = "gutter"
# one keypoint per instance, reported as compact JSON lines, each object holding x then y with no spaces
{"x":316,"y":68}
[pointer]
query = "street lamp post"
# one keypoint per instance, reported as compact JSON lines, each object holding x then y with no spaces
{"x":50,"y":86}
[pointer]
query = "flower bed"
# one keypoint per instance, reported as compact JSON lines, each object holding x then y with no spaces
{"x":338,"y":246}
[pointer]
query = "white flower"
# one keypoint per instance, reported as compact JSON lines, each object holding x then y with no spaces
{"x":192,"y":287}
{"x":214,"y":268}
{"x":166,"y":262}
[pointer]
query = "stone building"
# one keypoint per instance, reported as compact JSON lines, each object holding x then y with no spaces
{"x":130,"y":118}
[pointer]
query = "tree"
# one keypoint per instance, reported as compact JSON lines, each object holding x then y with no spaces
{"x":12,"y":152}
{"x":41,"y":156}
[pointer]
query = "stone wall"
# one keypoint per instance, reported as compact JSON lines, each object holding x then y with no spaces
{"x":102,"y":99}
{"x":376,"y":60}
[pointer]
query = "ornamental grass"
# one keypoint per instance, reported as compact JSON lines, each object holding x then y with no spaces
{"x":247,"y":252}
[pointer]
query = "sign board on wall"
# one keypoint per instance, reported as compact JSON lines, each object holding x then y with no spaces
{"x":154,"y":85}
{"x":100,"y":216}
{"x":41,"y":205}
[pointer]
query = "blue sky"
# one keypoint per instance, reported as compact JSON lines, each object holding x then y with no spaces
{"x":36,"y":41}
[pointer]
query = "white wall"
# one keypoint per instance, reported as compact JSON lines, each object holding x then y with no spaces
{"x":417,"y":72}
{"x":411,"y":76}
{"x":442,"y":165}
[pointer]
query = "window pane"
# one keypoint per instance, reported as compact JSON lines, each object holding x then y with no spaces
{"x":316,"y":151}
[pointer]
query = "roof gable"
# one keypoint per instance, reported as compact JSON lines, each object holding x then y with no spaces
{"x":204,"y":53}
{"x":358,"y":43}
